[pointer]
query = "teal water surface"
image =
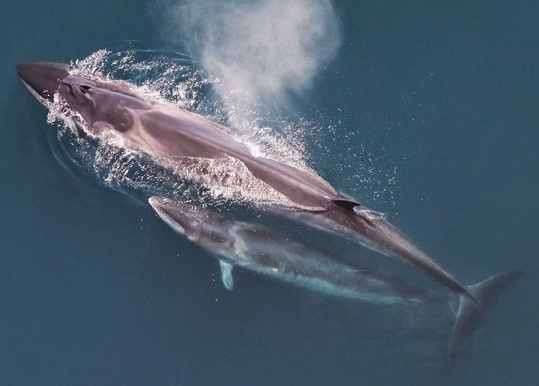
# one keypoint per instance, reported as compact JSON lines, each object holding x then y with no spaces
{"x":427,"y":112}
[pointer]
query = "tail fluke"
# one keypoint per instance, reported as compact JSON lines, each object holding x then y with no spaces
{"x":470,"y":313}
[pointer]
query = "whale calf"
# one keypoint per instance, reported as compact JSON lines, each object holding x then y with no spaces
{"x":163,"y":131}
{"x":267,"y":252}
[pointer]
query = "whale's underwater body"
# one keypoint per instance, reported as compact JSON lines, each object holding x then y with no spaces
{"x":164,"y":132}
{"x":266,"y":251}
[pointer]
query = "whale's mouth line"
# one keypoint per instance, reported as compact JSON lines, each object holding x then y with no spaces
{"x":44,"y":101}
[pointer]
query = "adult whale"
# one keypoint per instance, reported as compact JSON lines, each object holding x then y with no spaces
{"x":165,"y":132}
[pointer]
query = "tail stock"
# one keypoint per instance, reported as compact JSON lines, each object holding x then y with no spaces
{"x":470,"y":313}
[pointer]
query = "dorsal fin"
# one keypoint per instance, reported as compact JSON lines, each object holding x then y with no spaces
{"x":346,"y":204}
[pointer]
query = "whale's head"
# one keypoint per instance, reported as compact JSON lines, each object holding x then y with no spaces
{"x":42,"y":78}
{"x":101,"y":104}
{"x":207,"y":229}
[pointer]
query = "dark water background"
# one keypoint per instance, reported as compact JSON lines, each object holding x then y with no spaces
{"x":95,"y":289}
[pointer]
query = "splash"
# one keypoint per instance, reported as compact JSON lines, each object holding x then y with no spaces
{"x":230,"y":180}
{"x":172,"y":78}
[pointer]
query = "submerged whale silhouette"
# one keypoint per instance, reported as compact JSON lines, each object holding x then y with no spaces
{"x":265,"y":251}
{"x":163,"y":131}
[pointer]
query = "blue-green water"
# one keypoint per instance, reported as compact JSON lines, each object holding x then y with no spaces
{"x":425,"y":112}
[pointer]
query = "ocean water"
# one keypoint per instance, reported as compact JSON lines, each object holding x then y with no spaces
{"x":426,"y":112}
